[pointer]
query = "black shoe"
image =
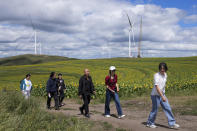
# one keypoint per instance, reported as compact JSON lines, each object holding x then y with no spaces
{"x":81,"y":110}
{"x":57,"y":108}
{"x":87,"y":115}
{"x":48,"y":107}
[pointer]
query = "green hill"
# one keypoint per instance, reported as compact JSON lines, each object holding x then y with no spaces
{"x":31,"y":59}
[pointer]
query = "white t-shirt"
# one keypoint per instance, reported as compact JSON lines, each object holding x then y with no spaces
{"x":28,"y":84}
{"x":159,"y":80}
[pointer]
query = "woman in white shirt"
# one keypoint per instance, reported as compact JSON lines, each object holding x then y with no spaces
{"x":26,"y":86}
{"x":158,"y":98}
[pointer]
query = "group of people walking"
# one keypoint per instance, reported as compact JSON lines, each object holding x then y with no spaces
{"x":56,"y":86}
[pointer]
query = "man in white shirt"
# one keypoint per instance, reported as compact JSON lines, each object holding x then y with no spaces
{"x":158,"y":98}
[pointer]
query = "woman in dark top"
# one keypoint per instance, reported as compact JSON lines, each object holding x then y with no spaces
{"x":51,"y":89}
{"x":85,"y":90}
{"x":61,"y":87}
{"x":112,"y":91}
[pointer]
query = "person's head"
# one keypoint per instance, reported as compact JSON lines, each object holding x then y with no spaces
{"x":53,"y":75}
{"x":86,"y":72}
{"x":112,"y":70}
{"x":163,"y":67}
{"x":60,"y":76}
{"x":28,"y":76}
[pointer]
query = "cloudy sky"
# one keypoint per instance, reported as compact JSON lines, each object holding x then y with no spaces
{"x":98,"y":28}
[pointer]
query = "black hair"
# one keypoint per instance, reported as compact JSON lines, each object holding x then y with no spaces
{"x":52,"y":74}
{"x":28,"y":75}
{"x":110,"y":72}
{"x":60,"y":74}
{"x":163,"y":64}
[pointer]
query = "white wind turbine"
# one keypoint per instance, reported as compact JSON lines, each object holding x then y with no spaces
{"x":35,"y":36}
{"x":131,"y":30}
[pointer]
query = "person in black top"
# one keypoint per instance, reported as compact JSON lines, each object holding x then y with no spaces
{"x":85,"y":90}
{"x":51,"y":89}
{"x":61,"y":87}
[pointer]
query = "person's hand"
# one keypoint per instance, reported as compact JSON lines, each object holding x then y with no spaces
{"x":49,"y":95}
{"x":80,"y":96}
{"x":117,"y":89}
{"x":164,"y":99}
{"x":94,"y":92}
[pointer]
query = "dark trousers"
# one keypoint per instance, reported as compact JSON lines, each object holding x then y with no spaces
{"x":54,"y":95}
{"x":86,"y":101}
{"x":61,"y":96}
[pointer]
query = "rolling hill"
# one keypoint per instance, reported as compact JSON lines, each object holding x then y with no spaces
{"x":29,"y":59}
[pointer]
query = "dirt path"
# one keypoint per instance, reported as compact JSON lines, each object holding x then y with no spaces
{"x":135,"y":119}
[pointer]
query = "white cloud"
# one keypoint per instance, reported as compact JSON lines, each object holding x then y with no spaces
{"x":191,"y":19}
{"x":92,"y":29}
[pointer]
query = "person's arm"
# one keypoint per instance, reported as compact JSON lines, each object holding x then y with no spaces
{"x":117,"y":87}
{"x":48,"y":88}
{"x":80,"y":87}
{"x":156,"y":81}
{"x":110,"y":89}
{"x":58,"y":84}
{"x":64,"y":85}
{"x":22,"y":85}
{"x":92,"y":86}
{"x":160,"y":93}
{"x":31,"y":87}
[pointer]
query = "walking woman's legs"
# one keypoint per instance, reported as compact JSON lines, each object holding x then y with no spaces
{"x":168,"y":112}
{"x":107,"y":102}
{"x":153,"y":113}
{"x":117,"y":102}
{"x":56,"y":100}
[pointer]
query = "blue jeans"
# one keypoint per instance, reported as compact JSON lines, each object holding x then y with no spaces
{"x":156,"y":101}
{"x":115,"y":96}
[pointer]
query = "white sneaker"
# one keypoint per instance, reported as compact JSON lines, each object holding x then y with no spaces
{"x":107,"y":116}
{"x":119,"y":117}
{"x":151,"y":126}
{"x":175,"y":126}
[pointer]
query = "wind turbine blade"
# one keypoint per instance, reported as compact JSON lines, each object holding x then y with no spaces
{"x":31,"y":22}
{"x":129,"y":21}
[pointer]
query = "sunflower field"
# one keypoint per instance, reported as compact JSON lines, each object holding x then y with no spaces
{"x":135,"y":76}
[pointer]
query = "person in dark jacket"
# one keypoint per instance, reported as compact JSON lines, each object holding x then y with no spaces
{"x":61,"y":87}
{"x":85,"y":90}
{"x":51,"y":89}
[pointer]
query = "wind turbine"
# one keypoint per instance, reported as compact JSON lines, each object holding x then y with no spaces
{"x":35,"y":36}
{"x":131,"y":31}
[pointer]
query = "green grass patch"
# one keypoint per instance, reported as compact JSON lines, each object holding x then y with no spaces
{"x":16,"y":113}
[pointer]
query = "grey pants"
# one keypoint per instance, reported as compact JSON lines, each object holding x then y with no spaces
{"x":26,"y":94}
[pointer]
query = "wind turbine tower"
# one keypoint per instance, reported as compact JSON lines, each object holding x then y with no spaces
{"x":131,"y":30}
{"x":35,"y":41}
{"x":140,"y":39}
